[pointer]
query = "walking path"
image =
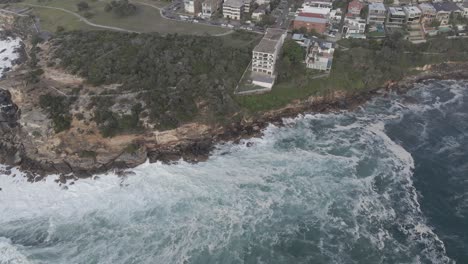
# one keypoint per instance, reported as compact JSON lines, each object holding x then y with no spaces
{"x":161,"y":9}
{"x":86,"y":21}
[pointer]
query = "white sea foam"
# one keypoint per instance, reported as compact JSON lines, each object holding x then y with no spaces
{"x":9,"y":254}
{"x":319,"y":189}
{"x":9,"y":55}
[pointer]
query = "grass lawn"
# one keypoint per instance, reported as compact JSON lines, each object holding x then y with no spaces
{"x":147,"y":19}
{"x":284,"y":93}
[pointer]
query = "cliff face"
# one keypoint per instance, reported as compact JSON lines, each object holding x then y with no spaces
{"x":9,"y":130}
{"x":28,"y":139}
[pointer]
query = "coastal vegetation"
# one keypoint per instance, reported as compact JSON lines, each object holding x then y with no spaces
{"x":176,"y":78}
{"x":359,"y":65}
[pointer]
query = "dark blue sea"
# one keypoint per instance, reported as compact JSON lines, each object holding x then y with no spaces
{"x":387,"y":183}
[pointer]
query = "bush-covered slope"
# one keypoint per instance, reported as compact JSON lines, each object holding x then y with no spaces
{"x":181,"y":74}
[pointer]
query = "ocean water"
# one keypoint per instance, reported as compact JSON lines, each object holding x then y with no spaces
{"x":387,"y":183}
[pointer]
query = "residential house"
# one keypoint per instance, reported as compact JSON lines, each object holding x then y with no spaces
{"x":264,"y":57}
{"x":413,"y":18}
{"x":301,"y":40}
{"x":354,"y":28}
{"x":464,"y":7}
{"x":233,"y":9}
{"x":259,"y":12}
{"x":311,"y":22}
{"x":396,"y":17}
{"x":193,"y":6}
{"x":444,"y":10}
{"x":335,"y":15}
{"x":377,"y":14}
{"x":319,"y":55}
{"x":209,"y":7}
{"x":428,"y":13}
{"x":413,"y":15}
{"x":354,"y":8}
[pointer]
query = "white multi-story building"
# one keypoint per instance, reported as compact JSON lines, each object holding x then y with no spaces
{"x":377,"y":14}
{"x":354,"y":28}
{"x":396,"y":17}
{"x":264,"y":57}
{"x":413,"y":15}
{"x":247,"y":4}
{"x":192,"y":6}
{"x":233,"y":9}
{"x":209,"y":7}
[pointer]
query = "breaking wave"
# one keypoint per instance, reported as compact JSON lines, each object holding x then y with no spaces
{"x":325,"y":188}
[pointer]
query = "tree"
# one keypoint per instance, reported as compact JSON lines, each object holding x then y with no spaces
{"x":82,"y":6}
{"x":364,"y":12}
{"x":121,"y":8}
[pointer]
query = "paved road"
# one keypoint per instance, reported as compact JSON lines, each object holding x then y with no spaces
{"x":86,"y":21}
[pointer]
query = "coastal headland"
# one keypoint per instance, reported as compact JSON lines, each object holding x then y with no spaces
{"x":128,"y":98}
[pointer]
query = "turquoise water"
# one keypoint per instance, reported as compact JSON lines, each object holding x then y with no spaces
{"x":384,"y":184}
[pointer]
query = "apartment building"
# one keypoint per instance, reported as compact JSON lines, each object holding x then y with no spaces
{"x":428,"y":13}
{"x":193,"y":6}
{"x":396,"y":17}
{"x":413,"y":15}
{"x":247,"y":5}
{"x":377,"y":14}
{"x":264,"y":57}
{"x":209,"y":7}
{"x":233,"y":9}
{"x":354,"y":28}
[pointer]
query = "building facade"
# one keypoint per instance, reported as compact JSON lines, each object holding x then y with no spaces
{"x":377,"y":14}
{"x":354,"y":28}
{"x":319,"y":55}
{"x":428,"y":13}
{"x":311,"y":22}
{"x":193,"y":6}
{"x":396,"y":17}
{"x":413,"y":15}
{"x":354,"y":8}
{"x":233,"y":9}
{"x":266,"y":52}
{"x":210,"y":7}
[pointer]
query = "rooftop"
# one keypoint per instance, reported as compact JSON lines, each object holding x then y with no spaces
{"x":465,"y":4}
{"x":446,"y":6}
{"x":426,"y":7}
{"x":311,"y":19}
{"x":377,"y":6}
{"x":412,"y":9}
{"x":396,"y":11}
{"x":234,"y":3}
{"x":270,"y":40}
